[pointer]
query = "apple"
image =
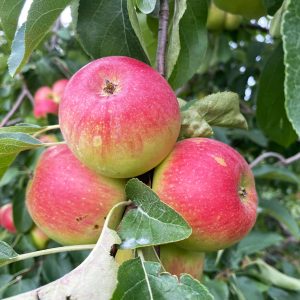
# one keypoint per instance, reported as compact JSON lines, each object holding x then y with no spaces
{"x":48,"y":138}
{"x":119,"y":116}
{"x":215,"y":18}
{"x":68,"y":201}
{"x":39,"y":238}
{"x":6,"y":218}
{"x":177,"y":260}
{"x":212,"y":187}
{"x":247,"y":8}
{"x":232,"y":22}
{"x":43,"y":102}
{"x":58,"y":89}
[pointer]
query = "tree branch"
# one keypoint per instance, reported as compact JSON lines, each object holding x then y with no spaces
{"x":282,"y":159}
{"x":162,"y":37}
{"x":24,"y":93}
{"x":16,"y":105}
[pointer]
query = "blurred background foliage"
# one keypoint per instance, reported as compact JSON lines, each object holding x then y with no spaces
{"x":242,"y":60}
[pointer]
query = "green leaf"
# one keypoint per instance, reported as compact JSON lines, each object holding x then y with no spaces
{"x":249,"y":288}
{"x":4,"y":283}
{"x":9,"y":16}
{"x":193,"y":42}
{"x":281,"y":214}
{"x":174,"y":36}
{"x":271,"y":113}
{"x":41,"y":16}
{"x":218,"y":289}
{"x":270,"y":275}
{"x":104,"y":29}
{"x":152,"y":223}
{"x":220,"y":109}
{"x":255,"y":135}
{"x":275,"y":173}
{"x":146,"y":36}
{"x":21,"y":286}
{"x":143,"y":280}
{"x":22,"y":128}
{"x":11,"y":144}
{"x":146,"y":6}
{"x":279,"y":294}
{"x":291,"y":45}
{"x":6,"y":252}
{"x":21,"y":216}
{"x":272,"y":6}
{"x":257,"y":241}
{"x":251,"y":244}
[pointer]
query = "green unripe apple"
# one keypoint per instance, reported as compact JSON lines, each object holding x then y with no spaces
{"x":252,"y":9}
{"x":232,"y":22}
{"x":39,"y":238}
{"x":215,"y":18}
{"x":177,"y":260}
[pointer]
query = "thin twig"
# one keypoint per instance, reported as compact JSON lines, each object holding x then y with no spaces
{"x":162,"y":37}
{"x":256,"y":27}
{"x":28,"y":94}
{"x":282,"y":159}
{"x":16,"y":105}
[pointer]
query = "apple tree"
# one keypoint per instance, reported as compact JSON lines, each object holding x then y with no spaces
{"x":233,"y":70}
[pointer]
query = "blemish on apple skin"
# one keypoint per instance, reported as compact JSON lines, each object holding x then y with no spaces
{"x":220,"y":161}
{"x":243,"y":194}
{"x":97,"y":141}
{"x":81,"y":218}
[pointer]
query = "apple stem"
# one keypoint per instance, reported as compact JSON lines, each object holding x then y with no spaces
{"x":52,"y":127}
{"x":47,"y":252}
{"x":162,"y":37}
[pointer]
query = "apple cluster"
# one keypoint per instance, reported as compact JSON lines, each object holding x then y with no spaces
{"x":218,"y":19}
{"x":121,"y":119}
{"x":46,"y":99}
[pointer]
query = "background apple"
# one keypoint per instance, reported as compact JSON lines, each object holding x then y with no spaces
{"x":6,"y":218}
{"x":68,"y":201}
{"x":58,"y":89}
{"x":119,"y":116}
{"x":215,"y":18}
{"x":39,"y":238}
{"x":212,"y":187}
{"x":246,"y":8}
{"x":177,"y":260}
{"x":232,"y":22}
{"x":43,"y":102}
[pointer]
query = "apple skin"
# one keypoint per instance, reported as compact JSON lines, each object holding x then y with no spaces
{"x":177,"y":260}
{"x":248,"y":8}
{"x":119,"y":116}
{"x":39,"y":238}
{"x":232,"y":22}
{"x":6,"y":218}
{"x":68,"y":201}
{"x":43,"y":103}
{"x":215,"y":18}
{"x":58,"y":89}
{"x":212,"y":187}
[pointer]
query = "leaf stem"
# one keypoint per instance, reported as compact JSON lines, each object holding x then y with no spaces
{"x":52,"y":127}
{"x":162,"y":37}
{"x":54,"y":144}
{"x":47,"y":252}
